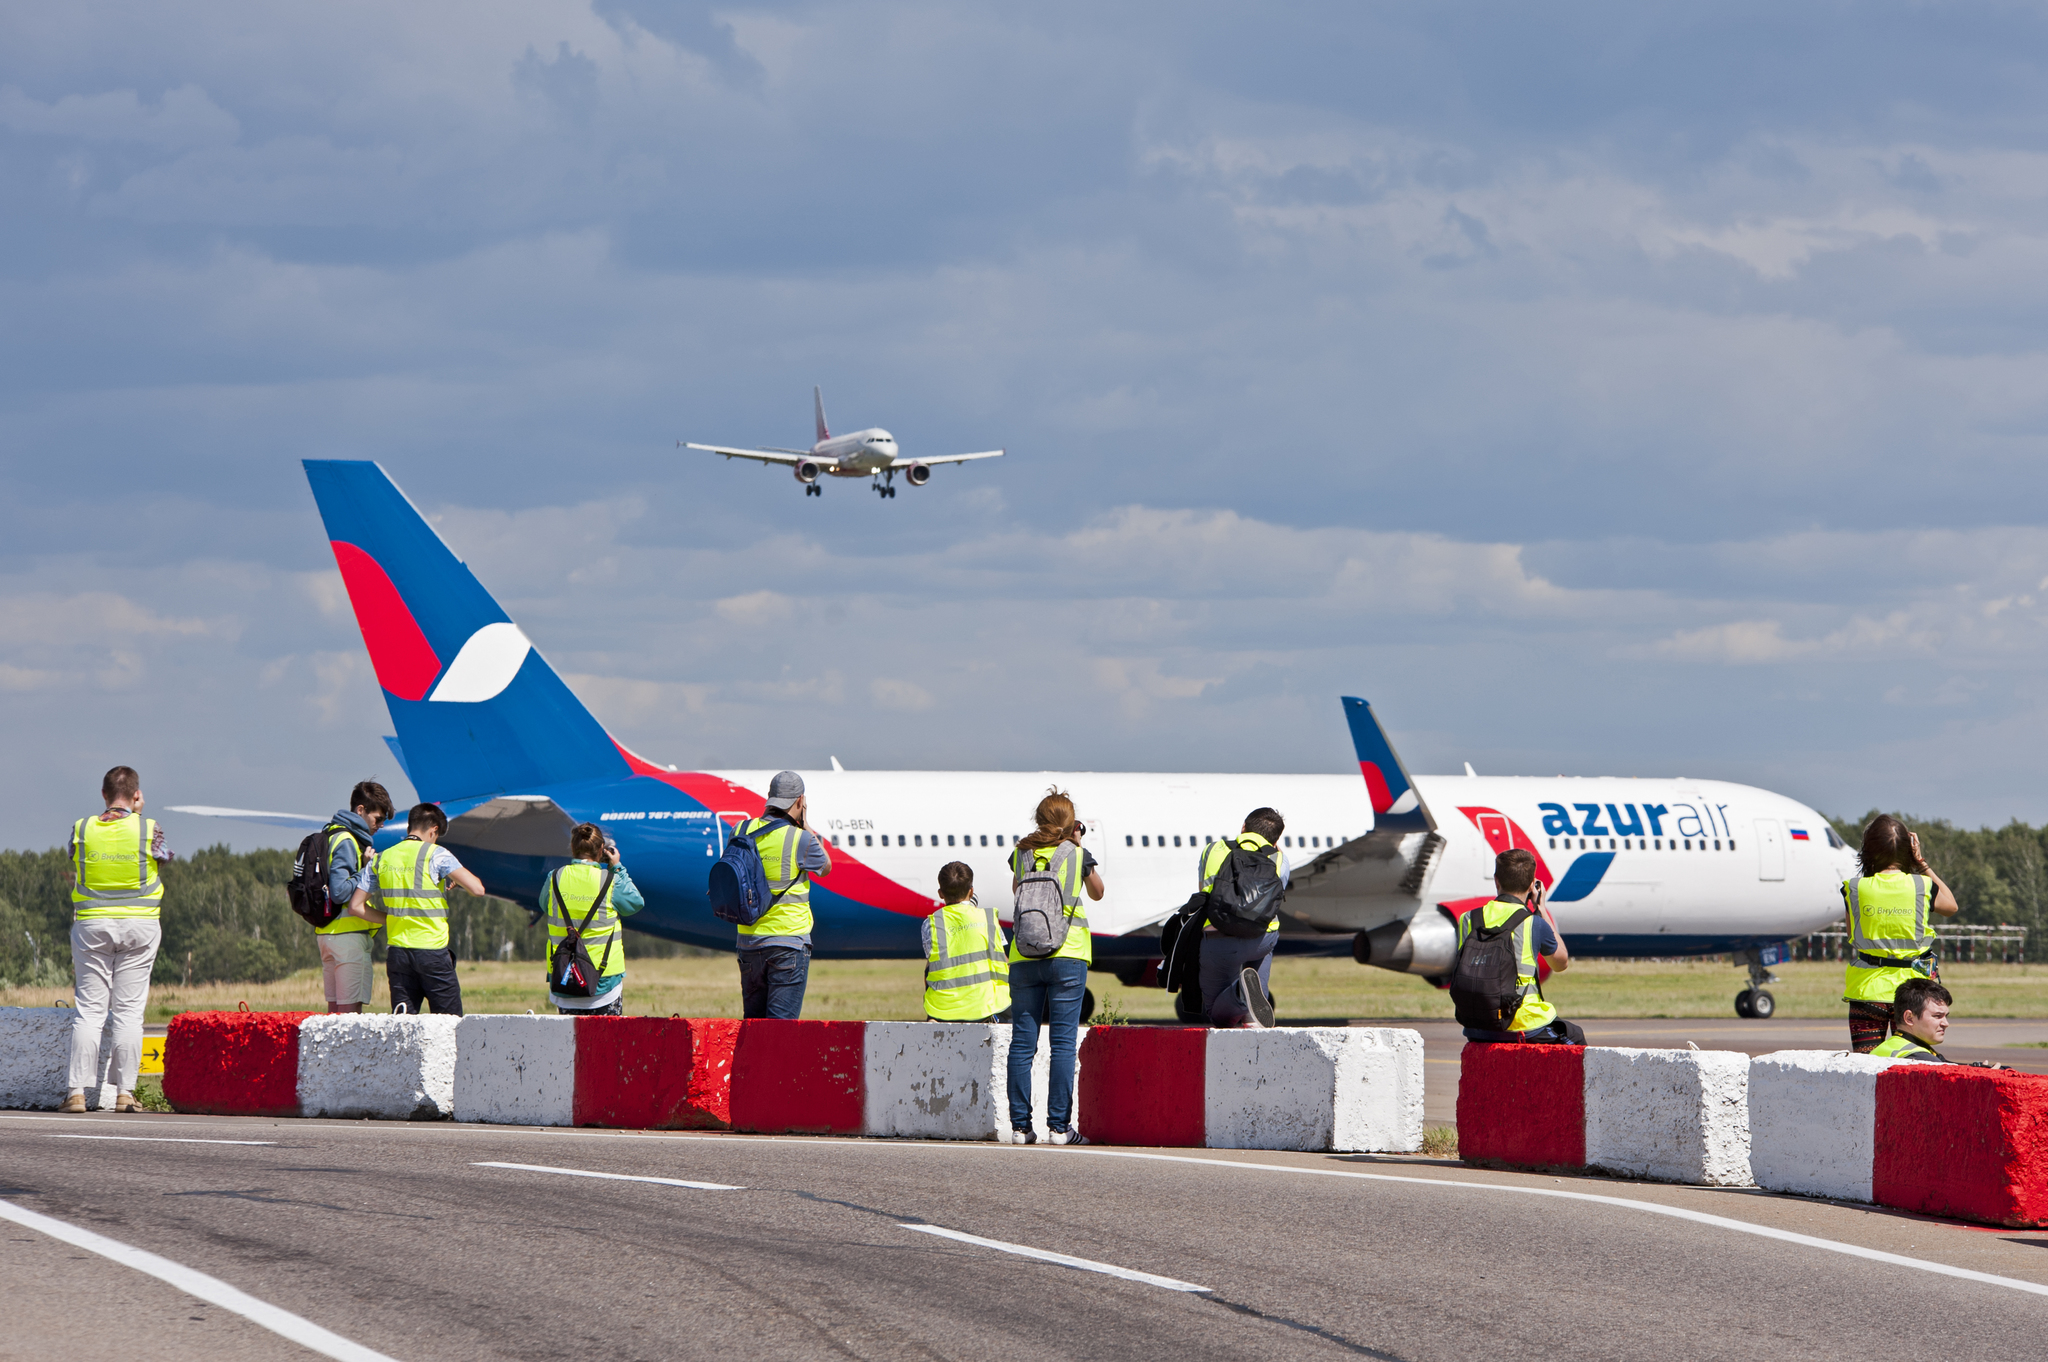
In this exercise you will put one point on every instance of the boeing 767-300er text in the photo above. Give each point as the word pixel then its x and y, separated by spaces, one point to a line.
pixel 1381 862
pixel 863 454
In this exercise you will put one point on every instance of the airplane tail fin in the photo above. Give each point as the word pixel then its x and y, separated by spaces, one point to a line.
pixel 818 401
pixel 477 709
pixel 1396 803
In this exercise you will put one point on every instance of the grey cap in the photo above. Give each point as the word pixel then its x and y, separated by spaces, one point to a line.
pixel 786 789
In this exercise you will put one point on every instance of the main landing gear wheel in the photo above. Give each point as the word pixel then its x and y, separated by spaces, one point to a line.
pixel 1742 1001
pixel 1762 1005
pixel 1087 1005
pixel 813 490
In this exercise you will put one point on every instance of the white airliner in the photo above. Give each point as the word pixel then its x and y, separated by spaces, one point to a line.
pixel 864 454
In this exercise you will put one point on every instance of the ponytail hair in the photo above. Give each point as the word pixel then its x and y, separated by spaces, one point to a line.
pixel 1887 845
pixel 1055 818
pixel 586 842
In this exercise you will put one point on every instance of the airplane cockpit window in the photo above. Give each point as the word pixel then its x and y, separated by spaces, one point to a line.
pixel 1835 841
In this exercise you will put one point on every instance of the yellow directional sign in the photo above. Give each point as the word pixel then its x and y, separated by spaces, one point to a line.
pixel 152 1054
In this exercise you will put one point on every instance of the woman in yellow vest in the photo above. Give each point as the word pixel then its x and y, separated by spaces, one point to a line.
pixel 1891 936
pixel 1049 991
pixel 966 973
pixel 567 896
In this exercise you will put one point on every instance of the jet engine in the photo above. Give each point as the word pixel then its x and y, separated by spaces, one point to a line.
pixel 917 475
pixel 1425 944
pixel 807 471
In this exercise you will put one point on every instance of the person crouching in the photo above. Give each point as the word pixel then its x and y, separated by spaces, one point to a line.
pixel 966 967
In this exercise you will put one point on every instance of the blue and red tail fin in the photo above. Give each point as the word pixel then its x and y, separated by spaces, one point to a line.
pixel 1396 803
pixel 478 711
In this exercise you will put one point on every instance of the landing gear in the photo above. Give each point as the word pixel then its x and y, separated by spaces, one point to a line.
pixel 1754 1002
pixel 1087 1005
pixel 885 485
pixel 812 489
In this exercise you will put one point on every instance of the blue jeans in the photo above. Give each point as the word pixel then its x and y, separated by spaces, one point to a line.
pixel 772 980
pixel 1044 992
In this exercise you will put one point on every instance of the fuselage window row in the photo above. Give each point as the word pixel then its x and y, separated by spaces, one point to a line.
pixel 1644 843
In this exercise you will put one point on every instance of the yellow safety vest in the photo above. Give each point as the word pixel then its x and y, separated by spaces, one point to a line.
pixel 112 873
pixel 1888 922
pixel 1214 854
pixel 966 975
pixel 347 922
pixel 1899 1045
pixel 1534 1013
pixel 567 898
pixel 415 908
pixel 789 886
pixel 1078 945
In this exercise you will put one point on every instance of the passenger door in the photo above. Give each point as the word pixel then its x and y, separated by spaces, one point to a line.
pixel 1770 849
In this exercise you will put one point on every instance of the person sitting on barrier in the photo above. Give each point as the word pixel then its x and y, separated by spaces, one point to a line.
pixel 404 889
pixel 589 896
pixel 1891 938
pixel 1919 1024
pixel 1236 973
pixel 966 969
pixel 1533 1020
pixel 1048 989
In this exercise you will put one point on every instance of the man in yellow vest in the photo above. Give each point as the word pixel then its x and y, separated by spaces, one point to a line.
pixel 404 889
pixel 966 972
pixel 1891 935
pixel 1236 973
pixel 1919 1023
pixel 345 961
pixel 775 950
pixel 1516 887
pixel 116 893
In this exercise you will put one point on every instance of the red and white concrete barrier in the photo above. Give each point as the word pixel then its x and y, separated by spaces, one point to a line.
pixel 233 1063
pixel 35 1057
pixel 1669 1115
pixel 516 1070
pixel 800 1077
pixel 370 1065
pixel 654 1073
pixel 1813 1122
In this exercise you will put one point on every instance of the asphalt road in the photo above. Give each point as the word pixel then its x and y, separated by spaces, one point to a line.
pixel 399 1238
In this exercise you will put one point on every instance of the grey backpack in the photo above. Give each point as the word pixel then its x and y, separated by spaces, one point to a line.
pixel 1040 926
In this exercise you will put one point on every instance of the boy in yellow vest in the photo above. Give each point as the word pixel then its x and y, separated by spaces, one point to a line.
pixel 115 896
pixel 966 965
pixel 404 890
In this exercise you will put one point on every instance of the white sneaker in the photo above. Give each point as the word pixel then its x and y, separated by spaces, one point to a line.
pixel 1068 1137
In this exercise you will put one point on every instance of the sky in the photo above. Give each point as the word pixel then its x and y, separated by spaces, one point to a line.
pixel 1597 388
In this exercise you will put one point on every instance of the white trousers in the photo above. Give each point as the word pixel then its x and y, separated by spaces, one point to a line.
pixel 110 963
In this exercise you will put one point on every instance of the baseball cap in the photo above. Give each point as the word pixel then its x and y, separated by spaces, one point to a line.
pixel 786 789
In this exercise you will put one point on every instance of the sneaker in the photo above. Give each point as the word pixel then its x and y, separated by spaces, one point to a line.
pixel 1025 1136
pixel 126 1102
pixel 1069 1137
pixel 1255 996
pixel 75 1103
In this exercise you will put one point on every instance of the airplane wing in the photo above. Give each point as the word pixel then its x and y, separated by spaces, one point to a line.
pixel 276 820
pixel 781 456
pixel 946 458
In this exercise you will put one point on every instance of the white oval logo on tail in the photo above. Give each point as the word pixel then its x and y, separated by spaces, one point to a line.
pixel 485 666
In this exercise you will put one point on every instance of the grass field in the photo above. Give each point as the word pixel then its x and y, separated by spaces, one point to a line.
pixel 708 986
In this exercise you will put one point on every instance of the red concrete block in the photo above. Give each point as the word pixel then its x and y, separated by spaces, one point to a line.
pixel 1969 1143
pixel 654 1073
pixel 807 1077
pixel 1143 1085
pixel 1523 1105
pixel 233 1063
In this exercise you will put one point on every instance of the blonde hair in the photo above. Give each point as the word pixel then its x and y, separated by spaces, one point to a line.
pixel 1055 818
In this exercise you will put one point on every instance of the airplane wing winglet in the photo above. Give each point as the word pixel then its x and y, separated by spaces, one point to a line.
pixel 962 458
pixel 1396 804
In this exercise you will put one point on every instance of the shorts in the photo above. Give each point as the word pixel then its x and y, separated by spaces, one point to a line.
pixel 345 967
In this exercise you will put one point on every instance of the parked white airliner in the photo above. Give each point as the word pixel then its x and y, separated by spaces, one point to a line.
pixel 864 454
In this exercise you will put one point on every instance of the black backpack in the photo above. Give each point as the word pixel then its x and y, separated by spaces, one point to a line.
pixel 1486 985
pixel 1246 894
pixel 307 888
pixel 1180 946
pixel 570 972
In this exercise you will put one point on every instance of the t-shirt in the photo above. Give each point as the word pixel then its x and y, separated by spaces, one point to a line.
pixel 440 866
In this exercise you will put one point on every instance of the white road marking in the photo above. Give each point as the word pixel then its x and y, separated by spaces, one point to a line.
pixel 194 1283
pixel 1063 1259
pixel 155 1139
pixel 613 1177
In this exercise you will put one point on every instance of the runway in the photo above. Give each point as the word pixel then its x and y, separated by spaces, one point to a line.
pixel 415 1242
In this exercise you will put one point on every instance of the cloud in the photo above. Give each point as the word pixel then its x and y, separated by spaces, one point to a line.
pixel 905 696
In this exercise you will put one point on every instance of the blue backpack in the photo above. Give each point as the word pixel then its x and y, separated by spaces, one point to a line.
pixel 739 882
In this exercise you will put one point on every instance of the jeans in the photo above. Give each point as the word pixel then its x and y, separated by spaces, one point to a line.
pixel 418 976
pixel 111 958
pixel 1223 959
pixel 1044 992
pixel 772 981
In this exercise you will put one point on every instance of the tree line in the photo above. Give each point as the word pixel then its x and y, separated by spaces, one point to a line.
pixel 226 919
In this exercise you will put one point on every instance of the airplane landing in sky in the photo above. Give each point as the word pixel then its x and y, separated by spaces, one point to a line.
pixel 868 453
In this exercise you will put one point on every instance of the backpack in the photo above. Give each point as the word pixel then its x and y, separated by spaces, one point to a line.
pixel 1180 945
pixel 1486 984
pixel 570 972
pixel 1039 926
pixel 1246 893
pixel 307 888
pixel 739 882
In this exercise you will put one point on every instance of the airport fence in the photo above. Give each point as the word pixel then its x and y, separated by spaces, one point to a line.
pixel 1969 942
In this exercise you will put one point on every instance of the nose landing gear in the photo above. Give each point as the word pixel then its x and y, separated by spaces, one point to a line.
pixel 1754 1002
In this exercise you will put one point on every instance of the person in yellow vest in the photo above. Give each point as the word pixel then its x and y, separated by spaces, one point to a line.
pixel 1236 973
pixel 404 889
pixel 1515 887
pixel 1049 992
pixel 966 973
pixel 569 895
pixel 1920 1024
pixel 775 951
pixel 1891 936
pixel 345 960
pixel 116 894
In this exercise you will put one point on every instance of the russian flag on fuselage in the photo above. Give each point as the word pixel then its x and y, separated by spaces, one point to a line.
pixel 1799 835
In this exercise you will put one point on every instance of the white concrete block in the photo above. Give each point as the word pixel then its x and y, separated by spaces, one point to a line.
pixel 1316 1088
pixel 936 1080
pixel 1672 1115
pixel 389 1068
pixel 35 1058
pixel 1813 1122
pixel 516 1070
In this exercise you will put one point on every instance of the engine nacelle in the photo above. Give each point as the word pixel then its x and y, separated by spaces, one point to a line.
pixel 1425 944
pixel 917 475
pixel 807 471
